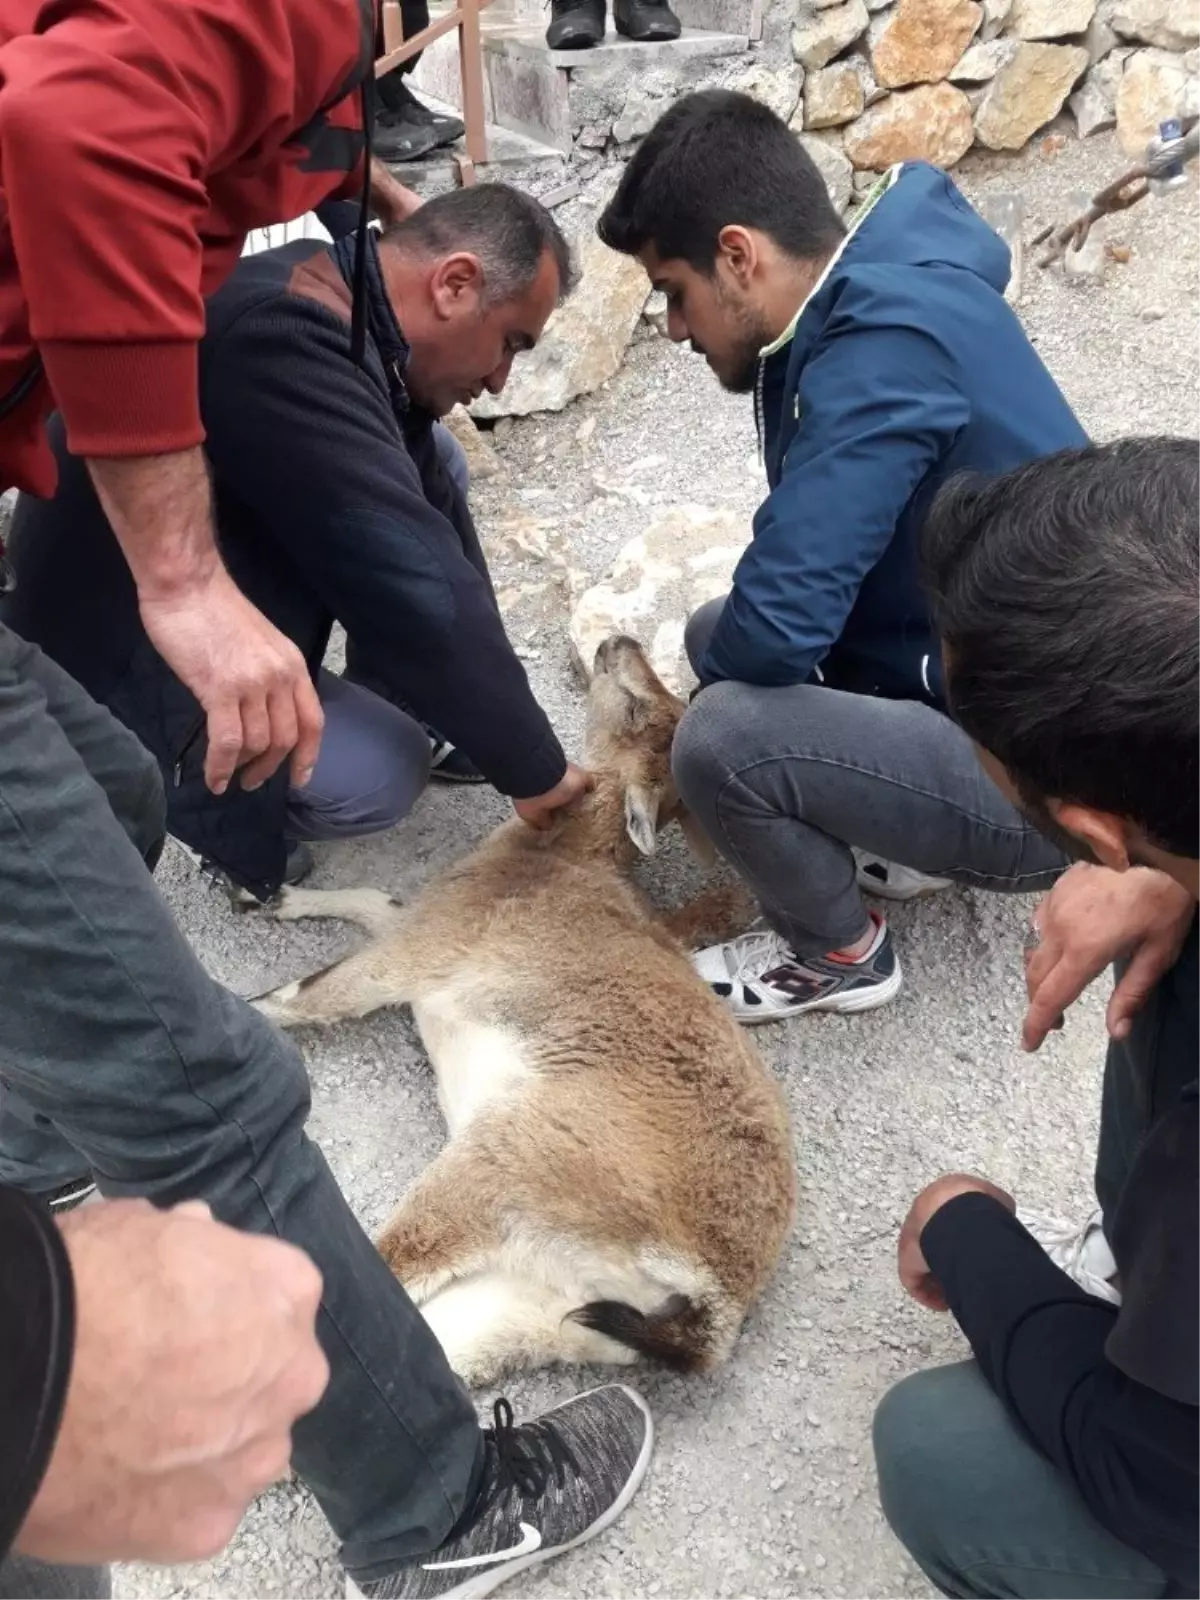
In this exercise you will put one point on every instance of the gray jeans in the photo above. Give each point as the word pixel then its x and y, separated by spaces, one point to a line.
pixel 978 1508
pixel 22 1578
pixel 785 780
pixel 125 1059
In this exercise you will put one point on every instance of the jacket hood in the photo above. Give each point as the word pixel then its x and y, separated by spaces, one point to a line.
pixel 923 220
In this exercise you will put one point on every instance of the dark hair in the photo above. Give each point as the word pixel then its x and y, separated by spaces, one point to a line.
pixel 509 231
pixel 716 159
pixel 1065 594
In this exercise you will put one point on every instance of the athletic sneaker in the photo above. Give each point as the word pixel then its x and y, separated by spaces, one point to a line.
pixel 762 979
pixel 546 1487
pixel 69 1195
pixel 1081 1252
pixel 888 880
pixel 448 764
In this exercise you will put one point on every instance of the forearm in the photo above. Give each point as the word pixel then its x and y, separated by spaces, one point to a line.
pixel 160 508
pixel 390 200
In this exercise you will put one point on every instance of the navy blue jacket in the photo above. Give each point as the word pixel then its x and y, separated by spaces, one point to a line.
pixel 905 367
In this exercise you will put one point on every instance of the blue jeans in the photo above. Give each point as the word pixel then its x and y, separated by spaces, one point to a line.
pixel 120 1056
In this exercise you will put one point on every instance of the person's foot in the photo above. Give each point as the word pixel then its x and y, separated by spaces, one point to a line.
pixel 575 24
pixel 647 21
pixel 406 111
pixel 1082 1252
pixel 397 142
pixel 888 880
pixel 300 862
pixel 448 764
pixel 546 1487
pixel 68 1195
pixel 762 979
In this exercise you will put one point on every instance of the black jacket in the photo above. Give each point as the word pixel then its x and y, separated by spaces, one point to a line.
pixel 332 503
pixel 37 1338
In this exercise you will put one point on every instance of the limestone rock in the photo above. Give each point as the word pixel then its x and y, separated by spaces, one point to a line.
pixel 1154 86
pixel 929 123
pixel 833 96
pixel 482 460
pixel 585 340
pixel 657 580
pixel 778 89
pixel 982 62
pixel 820 36
pixel 995 17
pixel 1028 91
pixel 833 165
pixel 1050 19
pixel 656 313
pixel 873 91
pixel 923 39
pixel 638 115
pixel 1169 24
pixel 1094 103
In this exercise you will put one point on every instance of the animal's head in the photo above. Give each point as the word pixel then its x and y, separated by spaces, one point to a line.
pixel 632 717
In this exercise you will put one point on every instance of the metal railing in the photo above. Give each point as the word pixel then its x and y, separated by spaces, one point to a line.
pixel 462 15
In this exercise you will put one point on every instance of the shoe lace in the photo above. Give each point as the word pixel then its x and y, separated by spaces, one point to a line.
pixel 530 1456
pixel 757 953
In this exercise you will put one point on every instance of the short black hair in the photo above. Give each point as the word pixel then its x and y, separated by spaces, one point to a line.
pixel 1066 596
pixel 509 231
pixel 714 160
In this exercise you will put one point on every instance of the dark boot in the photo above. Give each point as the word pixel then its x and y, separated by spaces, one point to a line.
pixel 400 109
pixel 575 24
pixel 647 21
pixel 394 142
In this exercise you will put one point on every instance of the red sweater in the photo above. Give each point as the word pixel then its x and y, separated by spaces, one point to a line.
pixel 140 141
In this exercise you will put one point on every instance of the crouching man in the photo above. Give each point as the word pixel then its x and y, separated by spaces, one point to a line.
pixel 1062 1460
pixel 883 360
pixel 339 498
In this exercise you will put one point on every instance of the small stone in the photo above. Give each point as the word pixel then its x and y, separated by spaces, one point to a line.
pixel 780 90
pixel 982 61
pixel 833 96
pixel 820 36
pixel 1094 103
pixel 482 460
pixel 1050 19
pixel 1154 86
pixel 1099 39
pixel 1153 313
pixel 1028 92
pixel 873 91
pixel 995 16
pixel 819 1560
pixel 929 123
pixel 638 115
pixel 833 165
pixel 1169 24
pixel 923 39
pixel 594 136
pixel 655 314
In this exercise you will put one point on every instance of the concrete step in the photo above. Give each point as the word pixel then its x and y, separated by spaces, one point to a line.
pixel 547 95
pixel 511 156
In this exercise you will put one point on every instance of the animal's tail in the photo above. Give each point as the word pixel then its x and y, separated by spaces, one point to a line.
pixel 679 1334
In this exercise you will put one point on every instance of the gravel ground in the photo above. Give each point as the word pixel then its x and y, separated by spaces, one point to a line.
pixel 762 1483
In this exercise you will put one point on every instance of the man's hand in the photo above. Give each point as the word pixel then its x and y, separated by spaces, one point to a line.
pixel 390 200
pixel 911 1264
pixel 195 1352
pixel 1091 918
pixel 540 811
pixel 252 682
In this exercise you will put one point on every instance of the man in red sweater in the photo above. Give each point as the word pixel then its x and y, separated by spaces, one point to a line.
pixel 141 1406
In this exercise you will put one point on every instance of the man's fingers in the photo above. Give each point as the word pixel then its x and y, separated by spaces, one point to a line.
pixel 224 744
pixel 1145 968
pixel 310 723
pixel 1060 988
pixel 281 712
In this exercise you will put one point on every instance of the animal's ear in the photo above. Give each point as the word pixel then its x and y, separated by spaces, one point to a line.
pixel 698 841
pixel 641 818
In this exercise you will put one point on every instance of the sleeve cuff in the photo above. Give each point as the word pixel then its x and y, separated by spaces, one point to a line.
pixel 126 399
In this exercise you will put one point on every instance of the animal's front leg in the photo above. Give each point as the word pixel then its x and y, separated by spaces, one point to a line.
pixel 371 909
pixel 361 983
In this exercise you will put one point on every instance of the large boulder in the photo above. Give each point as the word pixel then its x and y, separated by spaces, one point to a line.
pixel 833 96
pixel 1051 19
pixel 1155 85
pixel 832 163
pixel 923 39
pixel 819 36
pixel 1029 91
pixel 1169 24
pixel 658 579
pixel 1094 103
pixel 585 340
pixel 929 123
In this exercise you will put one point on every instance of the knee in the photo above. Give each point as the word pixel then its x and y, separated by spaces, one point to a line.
pixel 700 752
pixel 915 1460
pixel 699 630
pixel 371 794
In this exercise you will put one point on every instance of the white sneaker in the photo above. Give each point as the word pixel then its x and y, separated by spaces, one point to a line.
pixel 762 979
pixel 888 880
pixel 1082 1253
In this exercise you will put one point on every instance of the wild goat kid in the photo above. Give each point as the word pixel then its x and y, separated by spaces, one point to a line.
pixel 619 1178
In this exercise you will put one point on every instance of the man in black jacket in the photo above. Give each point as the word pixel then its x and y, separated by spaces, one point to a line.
pixel 1062 1461
pixel 338 498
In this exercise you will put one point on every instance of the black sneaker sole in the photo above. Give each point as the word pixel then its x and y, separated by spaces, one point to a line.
pixel 490 1579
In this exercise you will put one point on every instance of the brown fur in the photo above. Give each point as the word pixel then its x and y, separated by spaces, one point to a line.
pixel 633 1150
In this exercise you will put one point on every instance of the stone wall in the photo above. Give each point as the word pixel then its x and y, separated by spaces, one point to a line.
pixel 885 82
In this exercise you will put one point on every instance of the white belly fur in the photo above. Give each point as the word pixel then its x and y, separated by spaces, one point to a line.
pixel 476 1063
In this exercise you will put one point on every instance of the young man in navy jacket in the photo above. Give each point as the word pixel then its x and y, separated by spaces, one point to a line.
pixel 883 360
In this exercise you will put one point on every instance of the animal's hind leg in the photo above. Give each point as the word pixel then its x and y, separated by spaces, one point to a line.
pixel 353 987
pixel 498 1323
pixel 371 909
pixel 445 1227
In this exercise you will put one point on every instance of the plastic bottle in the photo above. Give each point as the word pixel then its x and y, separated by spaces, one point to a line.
pixel 1168 132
